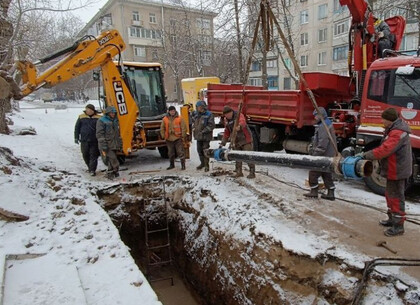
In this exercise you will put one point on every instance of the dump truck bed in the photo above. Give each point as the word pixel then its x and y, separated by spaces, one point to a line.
pixel 288 107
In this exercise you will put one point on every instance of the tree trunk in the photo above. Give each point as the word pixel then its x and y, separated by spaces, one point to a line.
pixel 238 42
pixel 3 125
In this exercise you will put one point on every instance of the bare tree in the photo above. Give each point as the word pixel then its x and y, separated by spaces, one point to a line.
pixel 22 30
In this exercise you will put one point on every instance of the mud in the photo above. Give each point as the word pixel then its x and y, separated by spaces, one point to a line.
pixel 224 270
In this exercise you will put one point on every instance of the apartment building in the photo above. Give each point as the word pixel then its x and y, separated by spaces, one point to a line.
pixel 320 39
pixel 165 31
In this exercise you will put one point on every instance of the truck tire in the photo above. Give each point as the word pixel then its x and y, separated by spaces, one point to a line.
pixel 255 139
pixel 163 151
pixel 376 182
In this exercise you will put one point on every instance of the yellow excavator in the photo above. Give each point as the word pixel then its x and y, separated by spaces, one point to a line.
pixel 135 89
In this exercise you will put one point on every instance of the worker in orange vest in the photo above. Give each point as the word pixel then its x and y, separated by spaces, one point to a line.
pixel 174 130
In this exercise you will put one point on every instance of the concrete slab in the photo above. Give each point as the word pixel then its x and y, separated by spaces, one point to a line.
pixel 40 280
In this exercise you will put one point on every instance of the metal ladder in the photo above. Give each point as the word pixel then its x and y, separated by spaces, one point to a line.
pixel 158 243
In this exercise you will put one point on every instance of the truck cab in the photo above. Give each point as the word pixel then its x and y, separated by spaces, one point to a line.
pixel 390 82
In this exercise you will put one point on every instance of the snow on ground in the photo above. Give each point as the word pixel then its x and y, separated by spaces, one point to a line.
pixel 78 237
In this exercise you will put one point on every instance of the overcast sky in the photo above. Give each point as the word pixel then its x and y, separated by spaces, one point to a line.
pixel 88 12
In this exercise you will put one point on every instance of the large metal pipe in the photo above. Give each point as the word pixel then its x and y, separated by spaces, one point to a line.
pixel 349 167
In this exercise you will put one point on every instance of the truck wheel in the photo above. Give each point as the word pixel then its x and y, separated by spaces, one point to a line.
pixel 255 139
pixel 163 151
pixel 376 182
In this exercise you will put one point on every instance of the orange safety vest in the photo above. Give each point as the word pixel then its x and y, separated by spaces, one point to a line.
pixel 176 124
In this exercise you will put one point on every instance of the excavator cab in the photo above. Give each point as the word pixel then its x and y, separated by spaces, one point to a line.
pixel 145 81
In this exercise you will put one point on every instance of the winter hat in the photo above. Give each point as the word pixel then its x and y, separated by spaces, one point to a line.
pixel 91 107
pixel 322 112
pixel 110 109
pixel 227 109
pixel 390 114
pixel 171 108
pixel 200 103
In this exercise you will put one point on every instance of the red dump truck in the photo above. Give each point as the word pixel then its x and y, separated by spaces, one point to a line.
pixel 283 119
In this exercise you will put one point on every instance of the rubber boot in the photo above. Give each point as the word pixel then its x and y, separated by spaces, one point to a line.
pixel 172 164
pixel 238 170
pixel 202 164
pixel 206 164
pixel 329 195
pixel 397 226
pixel 387 222
pixel 183 164
pixel 251 172
pixel 313 193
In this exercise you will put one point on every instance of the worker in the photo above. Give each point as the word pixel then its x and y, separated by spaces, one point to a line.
pixel 85 133
pixel 243 140
pixel 384 35
pixel 203 132
pixel 174 130
pixel 322 146
pixel 109 140
pixel 395 157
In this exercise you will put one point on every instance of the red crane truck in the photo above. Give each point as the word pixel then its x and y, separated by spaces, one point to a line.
pixel 283 119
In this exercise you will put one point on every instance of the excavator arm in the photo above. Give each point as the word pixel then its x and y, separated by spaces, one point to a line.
pixel 83 56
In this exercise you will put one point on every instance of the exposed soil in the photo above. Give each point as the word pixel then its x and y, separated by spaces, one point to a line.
pixel 224 269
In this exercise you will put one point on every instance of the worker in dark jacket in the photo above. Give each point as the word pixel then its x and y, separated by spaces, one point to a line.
pixel 384 36
pixel 395 157
pixel 203 132
pixel 109 140
pixel 85 133
pixel 174 130
pixel 322 146
pixel 243 140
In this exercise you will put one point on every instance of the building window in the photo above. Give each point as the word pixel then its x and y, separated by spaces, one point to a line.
pixel 155 54
pixel 322 58
pixel 144 33
pixel 206 39
pixel 322 35
pixel 272 63
pixel 340 53
pixel 304 17
pixel 256 66
pixel 304 39
pixel 322 11
pixel 136 16
pixel 287 83
pixel 203 23
pixel 288 63
pixel 287 2
pixel 338 8
pixel 152 18
pixel 205 58
pixel 139 51
pixel 273 82
pixel 304 60
pixel 172 22
pixel 255 81
pixel 341 28
pixel 409 42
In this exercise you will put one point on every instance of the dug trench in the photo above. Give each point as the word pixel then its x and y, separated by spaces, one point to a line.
pixel 218 252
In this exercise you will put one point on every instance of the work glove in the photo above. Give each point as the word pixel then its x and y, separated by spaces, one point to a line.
pixel 76 141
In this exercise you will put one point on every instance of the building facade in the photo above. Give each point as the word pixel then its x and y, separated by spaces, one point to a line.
pixel 319 30
pixel 178 37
